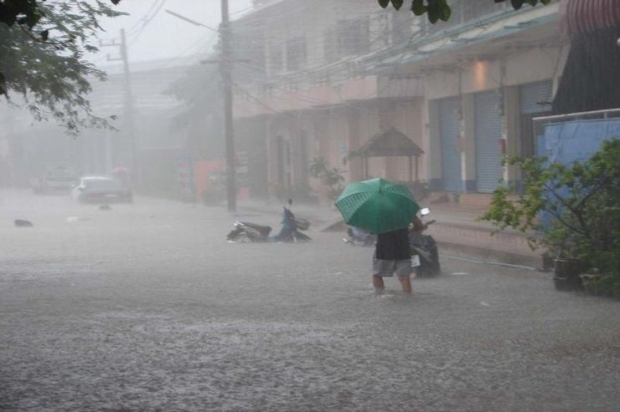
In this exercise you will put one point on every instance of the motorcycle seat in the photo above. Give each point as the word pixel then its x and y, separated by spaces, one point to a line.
pixel 260 228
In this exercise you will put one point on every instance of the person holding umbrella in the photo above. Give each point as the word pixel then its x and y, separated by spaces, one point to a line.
pixel 387 209
pixel 393 256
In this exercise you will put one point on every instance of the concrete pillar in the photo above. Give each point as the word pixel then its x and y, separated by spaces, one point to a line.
pixel 354 142
pixel 512 130
pixel 468 142
pixel 432 146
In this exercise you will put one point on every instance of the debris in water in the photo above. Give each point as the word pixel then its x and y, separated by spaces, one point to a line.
pixel 105 207
pixel 23 223
pixel 72 219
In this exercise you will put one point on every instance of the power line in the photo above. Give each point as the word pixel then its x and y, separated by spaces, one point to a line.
pixel 144 18
pixel 146 22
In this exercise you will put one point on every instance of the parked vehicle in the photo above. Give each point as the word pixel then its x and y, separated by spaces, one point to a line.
pixel 57 178
pixel 424 252
pixel 359 237
pixel 292 226
pixel 99 189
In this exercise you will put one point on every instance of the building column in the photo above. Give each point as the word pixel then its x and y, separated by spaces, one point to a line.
pixel 354 165
pixel 432 143
pixel 467 142
pixel 512 131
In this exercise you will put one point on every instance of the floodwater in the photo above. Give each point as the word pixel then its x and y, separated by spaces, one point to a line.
pixel 146 307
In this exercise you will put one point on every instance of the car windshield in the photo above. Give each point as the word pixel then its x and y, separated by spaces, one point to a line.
pixel 102 184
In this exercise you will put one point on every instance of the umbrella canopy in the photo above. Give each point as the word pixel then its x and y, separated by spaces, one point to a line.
pixel 377 205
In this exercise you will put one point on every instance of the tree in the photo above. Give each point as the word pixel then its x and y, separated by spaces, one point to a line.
pixel 440 9
pixel 331 177
pixel 42 48
pixel 580 206
pixel 200 114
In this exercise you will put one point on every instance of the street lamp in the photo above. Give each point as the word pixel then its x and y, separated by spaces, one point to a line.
pixel 225 68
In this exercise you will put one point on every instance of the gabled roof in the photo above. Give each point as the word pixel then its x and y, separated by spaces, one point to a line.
pixel 389 143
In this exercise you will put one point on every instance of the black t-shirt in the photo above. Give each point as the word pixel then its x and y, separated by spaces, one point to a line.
pixel 393 245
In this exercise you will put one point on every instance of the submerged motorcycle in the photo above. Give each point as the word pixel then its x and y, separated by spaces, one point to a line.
pixel 424 252
pixel 246 232
pixel 359 237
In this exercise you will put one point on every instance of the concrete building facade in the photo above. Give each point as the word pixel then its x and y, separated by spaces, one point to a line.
pixel 465 91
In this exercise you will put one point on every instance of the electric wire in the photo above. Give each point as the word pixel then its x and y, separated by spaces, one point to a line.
pixel 145 23
pixel 145 17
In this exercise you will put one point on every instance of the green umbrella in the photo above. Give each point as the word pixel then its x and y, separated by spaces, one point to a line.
pixel 377 205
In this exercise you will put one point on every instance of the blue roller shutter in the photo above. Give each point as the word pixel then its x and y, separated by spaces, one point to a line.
pixel 488 125
pixel 449 127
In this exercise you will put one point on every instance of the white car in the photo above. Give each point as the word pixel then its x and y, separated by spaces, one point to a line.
pixel 99 189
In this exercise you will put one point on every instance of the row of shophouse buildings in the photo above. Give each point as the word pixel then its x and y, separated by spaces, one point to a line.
pixel 326 77
pixel 321 79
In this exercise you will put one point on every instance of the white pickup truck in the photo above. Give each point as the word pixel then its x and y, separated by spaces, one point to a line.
pixel 57 178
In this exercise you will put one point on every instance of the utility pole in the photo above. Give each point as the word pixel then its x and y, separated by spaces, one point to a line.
pixel 128 100
pixel 129 112
pixel 225 68
pixel 224 61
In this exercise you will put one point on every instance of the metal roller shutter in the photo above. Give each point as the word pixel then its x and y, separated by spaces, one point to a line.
pixel 532 95
pixel 534 101
pixel 449 131
pixel 488 124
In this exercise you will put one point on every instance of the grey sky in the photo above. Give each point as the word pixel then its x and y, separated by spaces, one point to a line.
pixel 153 34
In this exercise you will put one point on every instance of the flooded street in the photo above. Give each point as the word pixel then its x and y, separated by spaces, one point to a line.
pixel 146 307
pixel 204 122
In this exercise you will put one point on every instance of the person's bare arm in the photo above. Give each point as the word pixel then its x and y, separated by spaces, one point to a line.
pixel 418 226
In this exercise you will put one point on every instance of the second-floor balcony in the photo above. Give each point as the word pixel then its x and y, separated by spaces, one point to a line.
pixel 354 40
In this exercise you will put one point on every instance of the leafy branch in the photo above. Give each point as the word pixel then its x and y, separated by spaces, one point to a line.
pixel 440 9
pixel 330 176
pixel 582 199
pixel 42 51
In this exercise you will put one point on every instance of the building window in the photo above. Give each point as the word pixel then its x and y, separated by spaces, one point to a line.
pixel 275 59
pixel 402 27
pixel 295 54
pixel 353 37
pixel 330 50
pixel 477 9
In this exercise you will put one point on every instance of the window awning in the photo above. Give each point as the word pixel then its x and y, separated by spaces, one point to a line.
pixel 590 75
pixel 588 15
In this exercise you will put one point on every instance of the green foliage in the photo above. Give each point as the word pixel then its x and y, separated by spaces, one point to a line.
pixel 42 47
pixel 604 285
pixel 330 176
pixel 440 9
pixel 201 112
pixel 583 200
pixel 22 12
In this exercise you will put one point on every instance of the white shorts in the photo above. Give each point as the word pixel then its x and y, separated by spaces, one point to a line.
pixel 387 268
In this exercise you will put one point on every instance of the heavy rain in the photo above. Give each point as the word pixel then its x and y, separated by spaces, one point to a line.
pixel 326 205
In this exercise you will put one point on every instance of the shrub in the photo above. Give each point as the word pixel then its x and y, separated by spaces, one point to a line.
pixel 574 209
pixel 331 177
